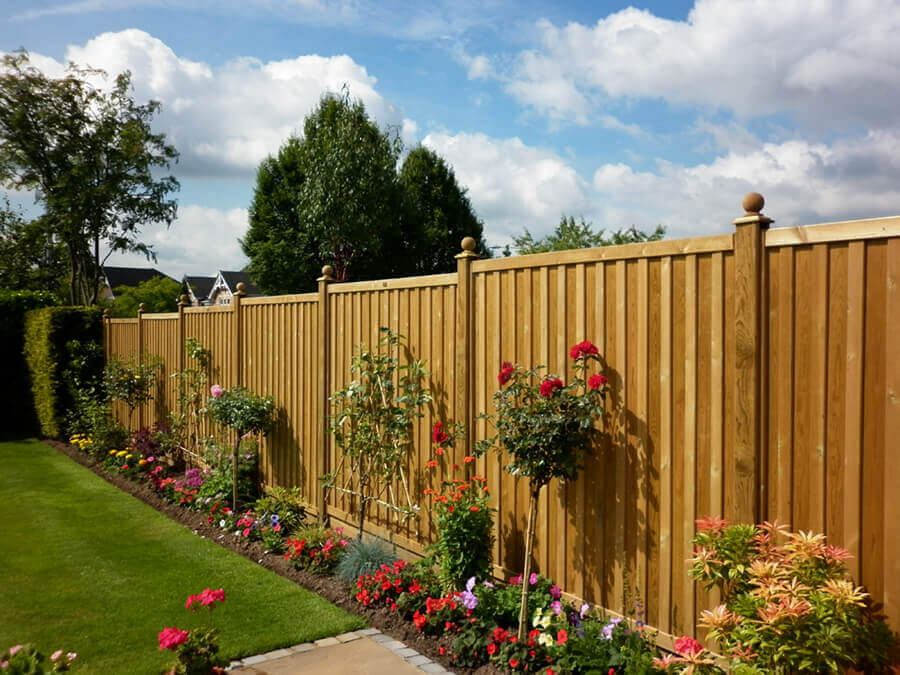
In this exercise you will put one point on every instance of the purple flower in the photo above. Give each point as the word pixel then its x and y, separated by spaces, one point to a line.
pixel 585 608
pixel 488 584
pixel 533 579
pixel 274 518
pixel 468 599
pixel 556 606
pixel 470 584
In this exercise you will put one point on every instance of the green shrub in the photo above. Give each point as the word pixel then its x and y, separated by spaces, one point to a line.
pixel 48 334
pixel 16 410
pixel 363 557
pixel 287 504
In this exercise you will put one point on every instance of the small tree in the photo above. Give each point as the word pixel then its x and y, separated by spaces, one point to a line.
pixel 244 412
pixel 546 427
pixel 131 383
pixel 371 422
pixel 570 234
pixel 192 383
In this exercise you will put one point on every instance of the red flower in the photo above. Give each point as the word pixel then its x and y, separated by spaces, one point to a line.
pixel 420 620
pixel 506 373
pixel 431 463
pixel 491 649
pixel 468 459
pixel 514 663
pixel 583 349
pixel 550 385
pixel 562 637
pixel 499 634
pixel 597 381
pixel 439 451
pixel 687 646
pixel 474 508
pixel 170 638
pixel 438 435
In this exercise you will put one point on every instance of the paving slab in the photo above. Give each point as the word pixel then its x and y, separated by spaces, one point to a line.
pixel 359 657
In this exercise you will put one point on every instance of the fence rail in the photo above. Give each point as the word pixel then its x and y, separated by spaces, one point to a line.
pixel 754 375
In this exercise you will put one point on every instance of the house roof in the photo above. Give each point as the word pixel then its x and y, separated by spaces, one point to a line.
pixel 130 276
pixel 233 278
pixel 199 286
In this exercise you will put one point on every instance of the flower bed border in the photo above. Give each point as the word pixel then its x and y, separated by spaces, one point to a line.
pixel 328 587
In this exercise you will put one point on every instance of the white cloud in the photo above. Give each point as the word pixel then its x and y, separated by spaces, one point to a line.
pixel 512 185
pixel 802 182
pixel 830 61
pixel 201 241
pixel 226 119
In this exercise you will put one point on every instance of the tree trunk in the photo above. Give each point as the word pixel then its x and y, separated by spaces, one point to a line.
pixel 526 572
pixel 363 503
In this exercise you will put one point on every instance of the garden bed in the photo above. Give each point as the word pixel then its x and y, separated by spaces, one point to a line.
pixel 329 587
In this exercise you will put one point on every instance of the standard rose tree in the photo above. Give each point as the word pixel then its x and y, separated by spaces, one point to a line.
pixel 546 427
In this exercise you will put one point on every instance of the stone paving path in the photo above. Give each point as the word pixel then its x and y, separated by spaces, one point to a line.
pixel 362 652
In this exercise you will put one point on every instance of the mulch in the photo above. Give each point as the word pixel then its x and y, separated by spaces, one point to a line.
pixel 329 587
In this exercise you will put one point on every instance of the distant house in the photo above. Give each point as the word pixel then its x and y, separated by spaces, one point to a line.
pixel 197 289
pixel 225 285
pixel 114 277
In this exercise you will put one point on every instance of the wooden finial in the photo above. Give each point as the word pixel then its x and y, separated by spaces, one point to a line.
pixel 106 313
pixel 327 274
pixel 753 203
pixel 184 300
pixel 468 248
pixel 141 308
pixel 240 290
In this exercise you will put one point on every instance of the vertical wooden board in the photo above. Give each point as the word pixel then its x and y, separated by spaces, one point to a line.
pixel 836 391
pixel 872 544
pixel 642 410
pixel 594 485
pixel 681 616
pixel 621 433
pixel 632 422
pixel 664 613
pixel 703 501
pixel 559 364
pixel 652 444
pixel 689 512
pixel 611 595
pixel 891 403
pixel 784 388
pixel 576 490
pixel 809 450
pixel 855 281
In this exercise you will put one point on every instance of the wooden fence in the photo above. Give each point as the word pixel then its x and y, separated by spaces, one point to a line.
pixel 754 375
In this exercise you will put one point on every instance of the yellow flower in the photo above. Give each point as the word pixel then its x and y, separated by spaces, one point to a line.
pixel 112 452
pixel 128 456
pixel 121 453
pixel 142 462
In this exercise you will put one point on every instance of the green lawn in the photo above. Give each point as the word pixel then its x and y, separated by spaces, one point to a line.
pixel 88 568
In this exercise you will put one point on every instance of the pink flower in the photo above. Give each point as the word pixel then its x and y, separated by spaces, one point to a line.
pixel 550 385
pixel 170 638
pixel 506 373
pixel 533 579
pixel 210 597
pixel 438 435
pixel 55 655
pixel 216 391
pixel 14 650
pixel 555 592
pixel 71 656
pixel 583 349
pixel 597 381
pixel 516 580
pixel 687 646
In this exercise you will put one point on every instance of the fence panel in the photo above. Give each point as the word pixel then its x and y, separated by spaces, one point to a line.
pixel 834 375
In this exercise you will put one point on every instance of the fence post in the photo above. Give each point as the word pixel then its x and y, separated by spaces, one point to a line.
pixel 324 357
pixel 743 502
pixel 140 359
pixel 183 301
pixel 238 347
pixel 465 310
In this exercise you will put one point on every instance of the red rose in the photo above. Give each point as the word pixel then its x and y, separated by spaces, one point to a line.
pixel 506 373
pixel 687 646
pixel 491 649
pixel 597 381
pixel 514 663
pixel 550 385
pixel 583 349
pixel 438 435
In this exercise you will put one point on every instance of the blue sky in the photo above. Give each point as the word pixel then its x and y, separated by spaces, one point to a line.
pixel 665 114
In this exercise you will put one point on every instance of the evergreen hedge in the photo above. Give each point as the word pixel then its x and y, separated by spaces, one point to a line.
pixel 48 332
pixel 16 410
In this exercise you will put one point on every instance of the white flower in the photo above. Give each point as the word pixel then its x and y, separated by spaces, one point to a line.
pixel 545 640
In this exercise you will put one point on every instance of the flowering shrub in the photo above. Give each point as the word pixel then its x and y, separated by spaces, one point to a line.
pixel 84 442
pixel 26 660
pixel 546 427
pixel 197 651
pixel 464 521
pixel 788 604
pixel 319 553
pixel 131 383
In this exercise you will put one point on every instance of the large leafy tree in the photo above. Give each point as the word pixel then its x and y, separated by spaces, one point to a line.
pixel 159 294
pixel 438 212
pixel 329 197
pixel 571 234
pixel 91 158
pixel 30 258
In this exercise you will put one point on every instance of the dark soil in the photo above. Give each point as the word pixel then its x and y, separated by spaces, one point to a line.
pixel 328 587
